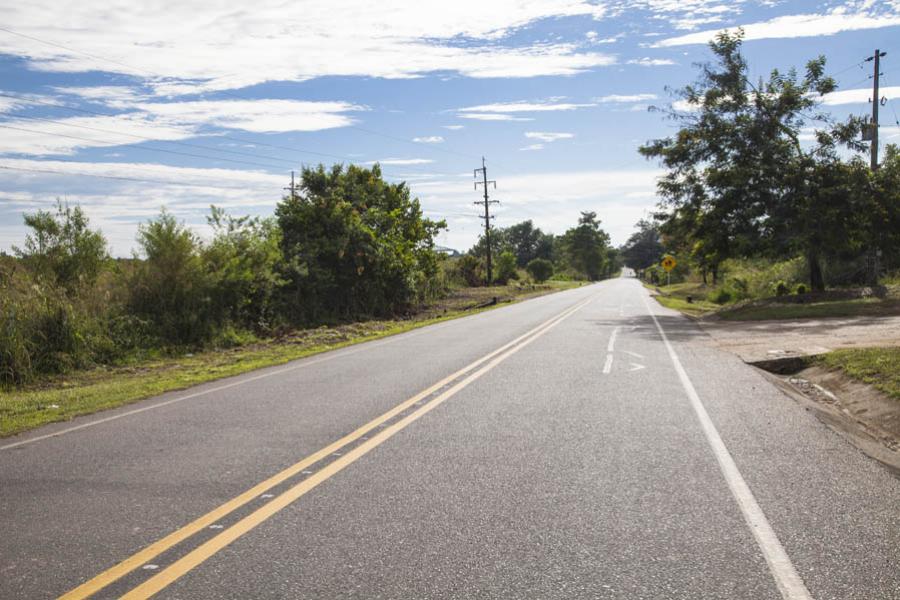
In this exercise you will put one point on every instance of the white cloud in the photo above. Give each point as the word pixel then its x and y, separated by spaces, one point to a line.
pixel 794 26
pixel 859 96
pixel 256 115
pixel 43 137
pixel 186 47
pixel 515 107
pixel 626 98
pixel 453 127
pixel 532 147
pixel 646 61
pixel 430 139
pixel 492 117
pixel 547 136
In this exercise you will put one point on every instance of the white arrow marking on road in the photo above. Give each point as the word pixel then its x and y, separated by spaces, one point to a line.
pixel 635 367
pixel 634 354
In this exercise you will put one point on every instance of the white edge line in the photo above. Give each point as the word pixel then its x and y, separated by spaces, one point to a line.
pixel 291 367
pixel 789 582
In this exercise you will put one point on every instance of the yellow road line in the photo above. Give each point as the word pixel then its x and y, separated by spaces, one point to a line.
pixel 143 556
pixel 200 554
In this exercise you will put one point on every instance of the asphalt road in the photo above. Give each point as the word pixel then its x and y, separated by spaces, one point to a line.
pixel 579 445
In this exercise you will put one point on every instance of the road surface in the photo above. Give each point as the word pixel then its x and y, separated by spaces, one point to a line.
pixel 578 445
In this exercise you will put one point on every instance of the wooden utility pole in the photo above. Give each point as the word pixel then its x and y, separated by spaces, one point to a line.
pixel 487 214
pixel 876 102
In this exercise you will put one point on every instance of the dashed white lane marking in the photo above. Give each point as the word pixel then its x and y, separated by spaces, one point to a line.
pixel 786 577
pixel 150 567
pixel 607 366
pixel 612 339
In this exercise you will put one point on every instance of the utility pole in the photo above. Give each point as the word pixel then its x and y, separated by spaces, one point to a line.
pixel 293 188
pixel 876 101
pixel 487 214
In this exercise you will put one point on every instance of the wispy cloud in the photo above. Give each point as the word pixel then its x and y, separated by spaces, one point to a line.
pixel 548 136
pixel 429 139
pixel 859 96
pixel 492 117
pixel 516 107
pixel 531 147
pixel 186 48
pixel 646 61
pixel 795 26
pixel 453 127
pixel 625 98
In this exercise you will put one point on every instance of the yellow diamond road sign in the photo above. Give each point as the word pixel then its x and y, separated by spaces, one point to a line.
pixel 668 263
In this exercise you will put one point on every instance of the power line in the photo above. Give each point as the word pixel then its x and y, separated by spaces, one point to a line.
pixel 119 178
pixel 116 144
pixel 150 139
pixel 227 137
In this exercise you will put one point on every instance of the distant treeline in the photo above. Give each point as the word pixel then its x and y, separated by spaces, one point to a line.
pixel 582 252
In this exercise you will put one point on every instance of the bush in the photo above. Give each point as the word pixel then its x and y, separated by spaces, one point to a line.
pixel 506 268
pixel 540 269
pixel 469 270
pixel 781 288
pixel 801 289
pixel 720 296
pixel 170 287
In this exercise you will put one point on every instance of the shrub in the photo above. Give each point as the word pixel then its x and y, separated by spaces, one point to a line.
pixel 720 296
pixel 540 269
pixel 781 288
pixel 801 289
pixel 506 268
pixel 170 287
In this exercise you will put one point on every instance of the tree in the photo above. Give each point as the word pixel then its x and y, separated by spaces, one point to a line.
pixel 540 269
pixel 585 246
pixel 739 181
pixel 63 248
pixel 506 268
pixel 355 245
pixel 523 239
pixel 244 258
pixel 643 248
pixel 171 287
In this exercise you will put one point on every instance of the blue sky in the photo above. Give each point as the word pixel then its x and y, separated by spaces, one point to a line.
pixel 127 107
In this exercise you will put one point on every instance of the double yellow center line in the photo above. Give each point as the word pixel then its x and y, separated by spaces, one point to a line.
pixel 195 557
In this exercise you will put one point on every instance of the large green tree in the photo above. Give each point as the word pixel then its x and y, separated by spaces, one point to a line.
pixel 355 245
pixel 739 179
pixel 585 246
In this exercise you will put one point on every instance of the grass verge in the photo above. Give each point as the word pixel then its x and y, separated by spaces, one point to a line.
pixel 84 392
pixel 675 296
pixel 879 367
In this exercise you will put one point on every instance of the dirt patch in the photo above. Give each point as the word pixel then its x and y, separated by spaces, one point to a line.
pixel 756 341
pixel 866 417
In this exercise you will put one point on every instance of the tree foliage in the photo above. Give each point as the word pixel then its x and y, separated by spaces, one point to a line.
pixel 354 245
pixel 63 248
pixel 740 180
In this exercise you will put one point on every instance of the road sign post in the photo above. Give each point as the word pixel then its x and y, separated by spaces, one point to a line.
pixel 668 263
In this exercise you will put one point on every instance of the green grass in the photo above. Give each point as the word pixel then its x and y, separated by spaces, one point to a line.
pixel 84 392
pixel 861 307
pixel 675 297
pixel 879 367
